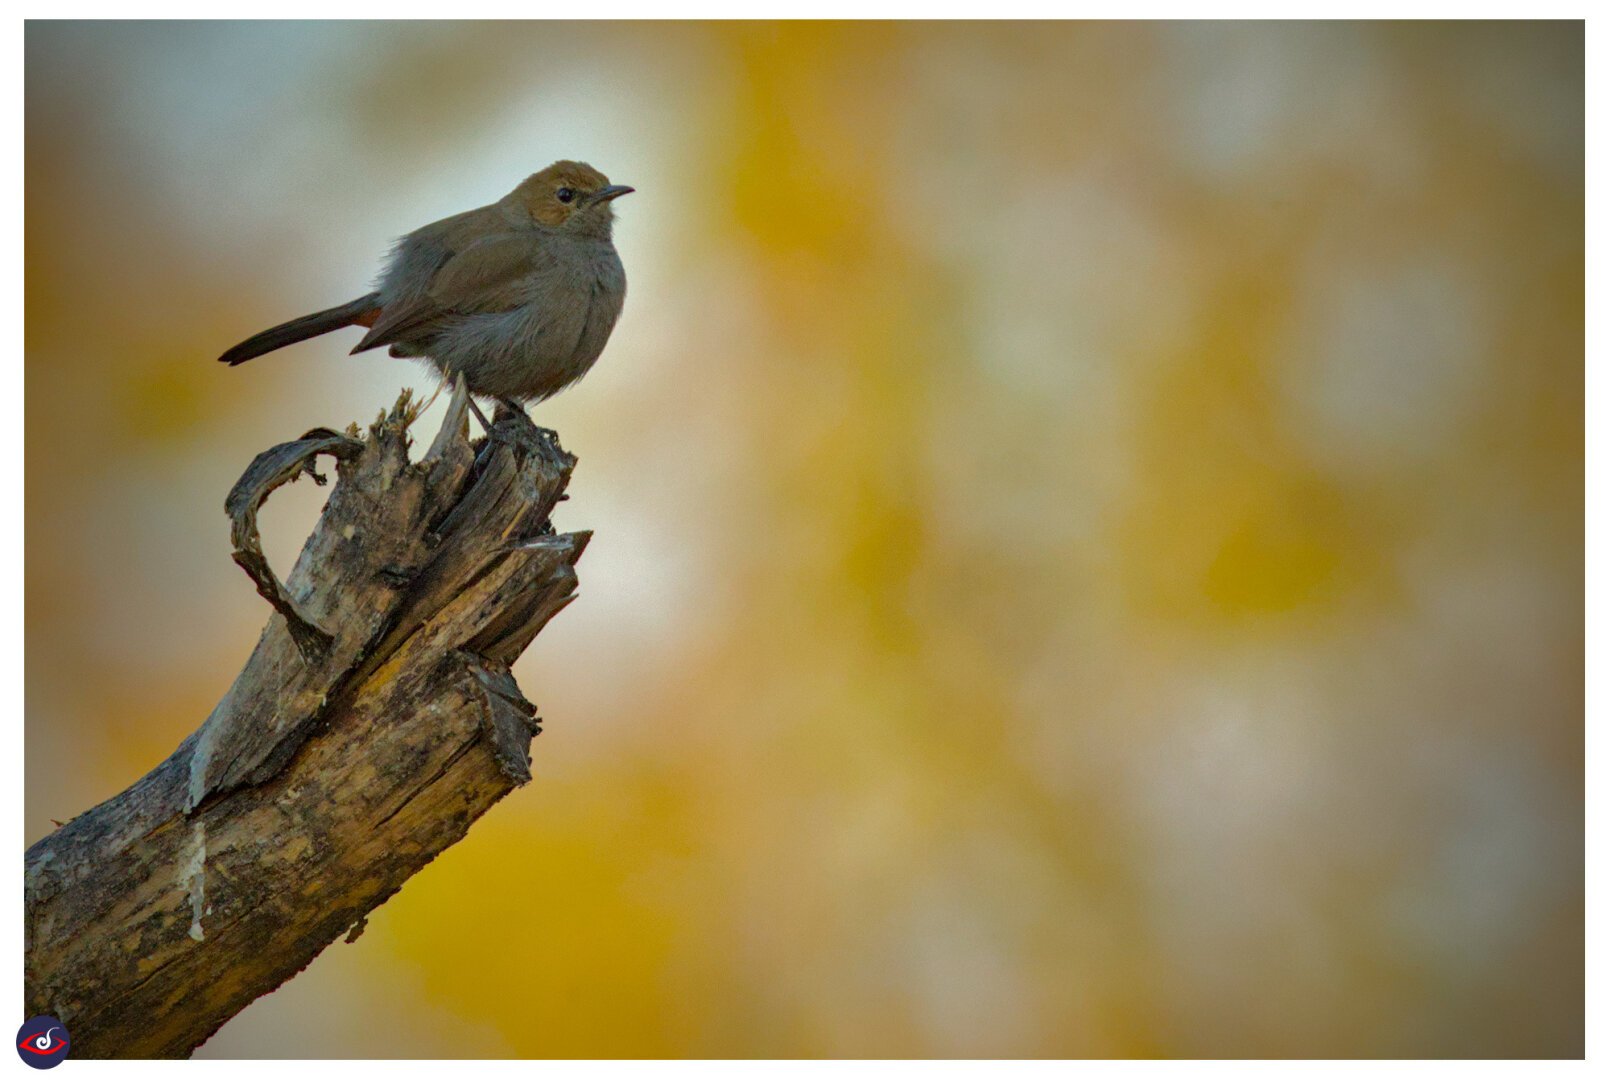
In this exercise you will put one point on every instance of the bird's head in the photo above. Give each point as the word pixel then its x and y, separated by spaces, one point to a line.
pixel 570 195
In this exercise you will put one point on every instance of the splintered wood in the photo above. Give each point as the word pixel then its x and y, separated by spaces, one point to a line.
pixel 374 722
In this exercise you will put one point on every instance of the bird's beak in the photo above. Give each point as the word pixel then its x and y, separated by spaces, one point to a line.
pixel 613 191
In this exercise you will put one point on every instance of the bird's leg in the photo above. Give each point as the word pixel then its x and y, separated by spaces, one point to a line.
pixel 486 444
pixel 513 406
pixel 481 416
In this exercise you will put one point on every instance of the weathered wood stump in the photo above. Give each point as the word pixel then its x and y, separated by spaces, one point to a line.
pixel 374 722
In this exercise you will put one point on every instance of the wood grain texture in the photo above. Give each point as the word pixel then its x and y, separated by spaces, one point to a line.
pixel 374 722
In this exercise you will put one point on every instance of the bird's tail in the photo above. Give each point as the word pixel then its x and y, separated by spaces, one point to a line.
pixel 360 312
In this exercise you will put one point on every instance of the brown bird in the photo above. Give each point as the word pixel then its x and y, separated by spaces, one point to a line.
pixel 519 296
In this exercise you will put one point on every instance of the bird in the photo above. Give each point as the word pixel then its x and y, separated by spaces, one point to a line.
pixel 518 297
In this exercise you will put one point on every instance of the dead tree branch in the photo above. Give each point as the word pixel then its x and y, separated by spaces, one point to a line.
pixel 374 722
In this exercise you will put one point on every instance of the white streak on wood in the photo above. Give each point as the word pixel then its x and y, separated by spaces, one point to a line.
pixel 193 876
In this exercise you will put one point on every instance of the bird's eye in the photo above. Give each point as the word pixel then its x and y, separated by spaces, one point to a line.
pixel 564 194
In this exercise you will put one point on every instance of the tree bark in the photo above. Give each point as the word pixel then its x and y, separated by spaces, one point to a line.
pixel 374 722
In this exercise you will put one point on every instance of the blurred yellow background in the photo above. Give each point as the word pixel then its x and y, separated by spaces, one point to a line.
pixel 1089 520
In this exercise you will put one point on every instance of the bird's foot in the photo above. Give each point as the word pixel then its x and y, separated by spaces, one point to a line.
pixel 509 409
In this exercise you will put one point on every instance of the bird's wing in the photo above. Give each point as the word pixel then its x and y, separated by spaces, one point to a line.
pixel 487 276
